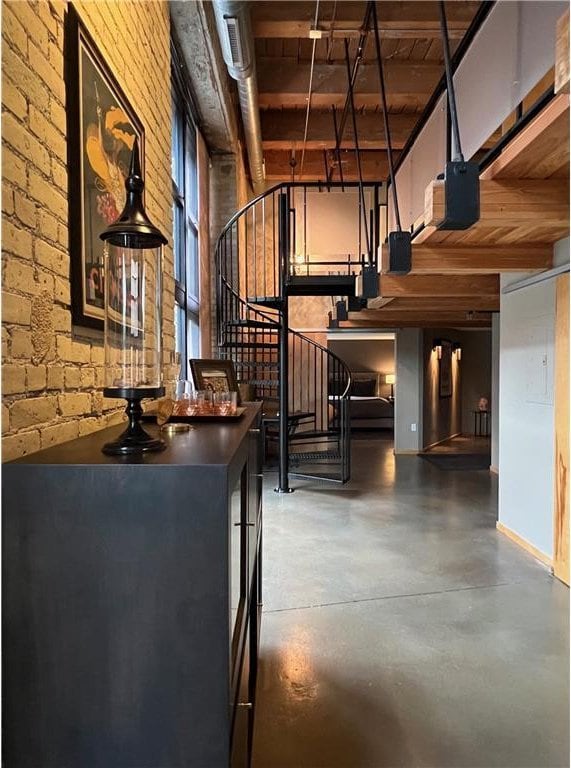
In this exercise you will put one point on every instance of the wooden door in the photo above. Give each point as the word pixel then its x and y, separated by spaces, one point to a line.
pixel 561 521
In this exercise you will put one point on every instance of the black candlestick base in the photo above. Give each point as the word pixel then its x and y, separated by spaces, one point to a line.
pixel 134 439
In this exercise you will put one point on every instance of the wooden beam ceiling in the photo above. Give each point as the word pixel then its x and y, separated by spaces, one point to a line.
pixel 475 260
pixel 512 211
pixel 284 129
pixel 400 30
pixel 374 165
pixel 424 320
pixel 396 20
pixel 284 82
pixel 541 150
pixel 418 304
pixel 562 54
pixel 438 285
pixel 524 192
pixel 508 203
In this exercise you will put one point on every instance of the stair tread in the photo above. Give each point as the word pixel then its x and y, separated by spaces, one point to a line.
pixel 262 382
pixel 321 285
pixel 314 456
pixel 270 326
pixel 250 344
pixel 266 301
pixel 269 365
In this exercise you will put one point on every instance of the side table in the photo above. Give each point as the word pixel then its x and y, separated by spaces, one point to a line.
pixel 481 423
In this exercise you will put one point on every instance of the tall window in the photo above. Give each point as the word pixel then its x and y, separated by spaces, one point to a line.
pixel 185 218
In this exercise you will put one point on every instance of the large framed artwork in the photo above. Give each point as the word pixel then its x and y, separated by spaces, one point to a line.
pixel 445 370
pixel 101 129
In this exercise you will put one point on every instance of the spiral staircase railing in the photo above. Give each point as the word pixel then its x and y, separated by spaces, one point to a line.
pixel 255 267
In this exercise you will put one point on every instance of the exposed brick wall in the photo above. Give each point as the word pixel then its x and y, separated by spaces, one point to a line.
pixel 223 205
pixel 52 373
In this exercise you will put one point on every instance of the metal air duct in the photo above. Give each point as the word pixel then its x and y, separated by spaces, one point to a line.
pixel 237 41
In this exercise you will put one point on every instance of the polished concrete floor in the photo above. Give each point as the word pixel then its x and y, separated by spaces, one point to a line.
pixel 463 444
pixel 400 629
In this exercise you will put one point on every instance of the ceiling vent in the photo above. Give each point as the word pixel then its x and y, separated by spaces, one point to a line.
pixel 235 44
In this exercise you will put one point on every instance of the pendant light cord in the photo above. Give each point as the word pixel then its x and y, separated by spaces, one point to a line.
pixel 357 153
pixel 373 6
pixel 309 93
pixel 458 156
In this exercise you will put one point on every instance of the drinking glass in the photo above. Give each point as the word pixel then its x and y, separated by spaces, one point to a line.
pixel 182 397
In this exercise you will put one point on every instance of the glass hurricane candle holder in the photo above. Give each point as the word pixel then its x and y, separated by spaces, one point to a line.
pixel 133 314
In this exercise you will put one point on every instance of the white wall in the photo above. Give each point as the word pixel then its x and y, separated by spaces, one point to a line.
pixel 333 223
pixel 476 373
pixel 495 447
pixel 526 419
pixel 408 391
pixel 377 355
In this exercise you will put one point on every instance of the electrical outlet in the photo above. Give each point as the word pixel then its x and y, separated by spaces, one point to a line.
pixel 413 427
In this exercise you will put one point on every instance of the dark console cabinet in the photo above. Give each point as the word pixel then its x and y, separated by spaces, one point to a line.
pixel 131 594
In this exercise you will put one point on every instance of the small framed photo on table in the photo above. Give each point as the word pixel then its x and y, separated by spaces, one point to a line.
pixel 215 375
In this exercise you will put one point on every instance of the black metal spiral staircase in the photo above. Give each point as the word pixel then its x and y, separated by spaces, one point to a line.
pixel 304 387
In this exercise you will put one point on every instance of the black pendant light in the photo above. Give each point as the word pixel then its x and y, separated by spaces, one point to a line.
pixel 399 241
pixel 461 178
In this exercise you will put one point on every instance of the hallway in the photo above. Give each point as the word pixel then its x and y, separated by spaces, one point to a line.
pixel 400 629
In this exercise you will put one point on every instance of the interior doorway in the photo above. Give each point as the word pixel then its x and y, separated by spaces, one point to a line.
pixel 457 401
pixel 370 358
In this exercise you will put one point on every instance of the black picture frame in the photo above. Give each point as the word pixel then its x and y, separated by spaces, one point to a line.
pixel 101 126
pixel 445 369
pixel 208 373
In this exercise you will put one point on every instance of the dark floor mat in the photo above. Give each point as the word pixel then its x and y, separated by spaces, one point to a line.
pixel 459 462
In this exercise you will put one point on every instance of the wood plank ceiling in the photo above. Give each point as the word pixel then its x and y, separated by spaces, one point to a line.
pixel 524 193
pixel 412 54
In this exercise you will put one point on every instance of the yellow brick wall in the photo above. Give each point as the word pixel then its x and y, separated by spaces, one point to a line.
pixel 52 374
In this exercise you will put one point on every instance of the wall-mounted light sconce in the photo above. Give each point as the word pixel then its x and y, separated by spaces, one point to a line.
pixel 391 379
pixel 437 347
pixel 457 350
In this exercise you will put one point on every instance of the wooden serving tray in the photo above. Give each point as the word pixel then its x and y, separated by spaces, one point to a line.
pixel 207 417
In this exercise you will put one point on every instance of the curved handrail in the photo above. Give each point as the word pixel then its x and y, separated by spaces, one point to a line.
pixel 238 331
pixel 283 185
pixel 342 363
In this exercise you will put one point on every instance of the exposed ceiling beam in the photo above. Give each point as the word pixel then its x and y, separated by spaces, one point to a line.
pixel 284 129
pixel 396 19
pixel 277 164
pixel 541 150
pixel 428 30
pixel 475 260
pixel 509 203
pixel 433 304
pixel 438 285
pixel 562 54
pixel 437 320
pixel 284 82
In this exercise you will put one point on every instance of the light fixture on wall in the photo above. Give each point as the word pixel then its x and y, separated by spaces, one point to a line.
pixel 133 313
pixel 437 347
pixel 457 350
pixel 391 379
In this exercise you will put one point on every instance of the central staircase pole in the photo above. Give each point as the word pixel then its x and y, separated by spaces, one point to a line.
pixel 284 248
